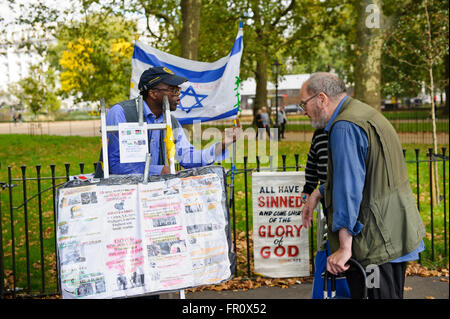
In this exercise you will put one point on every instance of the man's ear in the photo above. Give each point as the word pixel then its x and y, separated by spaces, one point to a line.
pixel 322 99
pixel 150 94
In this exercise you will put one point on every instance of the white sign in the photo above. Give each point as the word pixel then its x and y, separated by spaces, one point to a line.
pixel 280 243
pixel 126 240
pixel 133 142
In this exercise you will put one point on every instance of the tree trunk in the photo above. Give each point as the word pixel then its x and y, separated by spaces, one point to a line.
pixel 190 14
pixel 446 84
pixel 435 173
pixel 261 84
pixel 370 38
pixel 188 37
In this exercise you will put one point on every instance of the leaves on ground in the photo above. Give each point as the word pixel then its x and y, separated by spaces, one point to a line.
pixel 418 270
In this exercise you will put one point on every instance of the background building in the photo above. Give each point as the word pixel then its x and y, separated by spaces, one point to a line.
pixel 16 57
pixel 288 92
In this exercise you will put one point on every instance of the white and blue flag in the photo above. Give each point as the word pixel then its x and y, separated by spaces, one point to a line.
pixel 211 92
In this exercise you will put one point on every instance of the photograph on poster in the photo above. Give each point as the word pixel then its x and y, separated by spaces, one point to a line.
pixel 117 240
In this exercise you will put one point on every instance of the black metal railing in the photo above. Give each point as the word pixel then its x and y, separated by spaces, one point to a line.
pixel 21 208
pixel 28 265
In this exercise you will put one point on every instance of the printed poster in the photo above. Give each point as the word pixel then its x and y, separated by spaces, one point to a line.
pixel 133 142
pixel 116 241
pixel 280 243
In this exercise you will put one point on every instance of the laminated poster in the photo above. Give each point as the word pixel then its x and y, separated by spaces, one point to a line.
pixel 280 243
pixel 125 240
pixel 133 142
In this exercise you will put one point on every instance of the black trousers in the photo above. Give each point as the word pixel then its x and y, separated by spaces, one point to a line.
pixel 281 130
pixel 262 132
pixel 391 282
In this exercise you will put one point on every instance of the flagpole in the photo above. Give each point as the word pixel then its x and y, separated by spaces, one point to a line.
pixel 232 202
pixel 233 157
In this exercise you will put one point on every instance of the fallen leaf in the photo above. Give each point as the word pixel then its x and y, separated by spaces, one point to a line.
pixel 407 289
pixel 429 297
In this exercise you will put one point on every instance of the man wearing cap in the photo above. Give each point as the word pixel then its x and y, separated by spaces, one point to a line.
pixel 154 84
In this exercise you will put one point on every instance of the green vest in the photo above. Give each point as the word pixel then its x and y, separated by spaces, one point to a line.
pixel 388 211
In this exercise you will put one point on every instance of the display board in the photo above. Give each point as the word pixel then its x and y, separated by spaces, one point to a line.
pixel 120 237
pixel 280 243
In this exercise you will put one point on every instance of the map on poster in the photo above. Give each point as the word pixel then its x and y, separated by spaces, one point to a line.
pixel 117 241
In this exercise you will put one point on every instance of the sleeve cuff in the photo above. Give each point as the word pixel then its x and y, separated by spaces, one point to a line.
pixel 322 190
pixel 155 169
pixel 308 189
pixel 355 231
pixel 222 156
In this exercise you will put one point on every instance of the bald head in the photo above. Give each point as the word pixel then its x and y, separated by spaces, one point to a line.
pixel 327 83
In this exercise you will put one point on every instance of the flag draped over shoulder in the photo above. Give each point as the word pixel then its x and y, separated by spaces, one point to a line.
pixel 211 92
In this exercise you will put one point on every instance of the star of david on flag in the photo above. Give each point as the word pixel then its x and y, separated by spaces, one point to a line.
pixel 209 94
pixel 184 100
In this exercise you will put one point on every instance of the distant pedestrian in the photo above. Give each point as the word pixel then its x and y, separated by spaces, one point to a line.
pixel 14 119
pixel 281 122
pixel 265 120
pixel 259 124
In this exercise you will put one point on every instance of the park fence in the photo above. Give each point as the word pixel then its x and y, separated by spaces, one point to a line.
pixel 28 265
pixel 412 126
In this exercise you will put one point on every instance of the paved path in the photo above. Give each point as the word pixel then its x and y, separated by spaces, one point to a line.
pixel 415 288
pixel 65 128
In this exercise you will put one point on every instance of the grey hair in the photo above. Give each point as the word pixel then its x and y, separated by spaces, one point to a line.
pixel 327 83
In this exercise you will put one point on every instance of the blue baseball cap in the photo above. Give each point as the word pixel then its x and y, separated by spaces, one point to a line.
pixel 159 74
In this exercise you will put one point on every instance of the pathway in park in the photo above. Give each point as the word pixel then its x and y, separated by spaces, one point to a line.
pixel 416 287
pixel 92 128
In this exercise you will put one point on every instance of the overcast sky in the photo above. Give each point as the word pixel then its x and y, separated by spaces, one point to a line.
pixel 9 14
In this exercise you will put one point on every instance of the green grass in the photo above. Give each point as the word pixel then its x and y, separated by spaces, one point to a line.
pixel 420 126
pixel 411 126
pixel 23 150
pixel 19 150
pixel 425 202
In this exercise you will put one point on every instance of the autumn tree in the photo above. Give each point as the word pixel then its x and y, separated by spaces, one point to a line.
pixel 325 40
pixel 270 28
pixel 38 91
pixel 420 44
pixel 375 19
pixel 93 56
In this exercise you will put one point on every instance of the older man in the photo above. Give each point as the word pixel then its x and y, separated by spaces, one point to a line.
pixel 372 215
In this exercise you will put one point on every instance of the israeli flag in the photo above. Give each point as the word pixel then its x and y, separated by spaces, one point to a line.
pixel 212 90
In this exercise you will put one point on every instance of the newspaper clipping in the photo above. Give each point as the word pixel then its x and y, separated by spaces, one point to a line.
pixel 125 240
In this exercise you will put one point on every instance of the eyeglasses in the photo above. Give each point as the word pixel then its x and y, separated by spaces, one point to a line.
pixel 302 105
pixel 174 90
